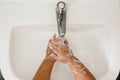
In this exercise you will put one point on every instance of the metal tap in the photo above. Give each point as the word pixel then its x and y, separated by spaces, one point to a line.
pixel 61 18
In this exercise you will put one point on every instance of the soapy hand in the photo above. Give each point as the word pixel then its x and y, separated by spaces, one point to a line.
pixel 61 51
pixel 49 51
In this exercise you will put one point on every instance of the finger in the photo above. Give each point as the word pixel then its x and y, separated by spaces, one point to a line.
pixel 55 45
pixel 49 40
pixel 54 48
pixel 51 46
pixel 61 39
pixel 54 37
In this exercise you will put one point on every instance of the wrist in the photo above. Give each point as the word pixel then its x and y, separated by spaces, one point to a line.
pixel 74 61
pixel 50 58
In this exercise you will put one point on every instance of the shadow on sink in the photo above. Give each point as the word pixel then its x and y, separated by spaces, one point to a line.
pixel 89 43
pixel 1 76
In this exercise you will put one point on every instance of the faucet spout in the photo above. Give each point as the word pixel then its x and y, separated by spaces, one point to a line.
pixel 61 18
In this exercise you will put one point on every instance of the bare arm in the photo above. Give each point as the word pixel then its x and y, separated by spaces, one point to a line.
pixel 65 55
pixel 79 70
pixel 44 71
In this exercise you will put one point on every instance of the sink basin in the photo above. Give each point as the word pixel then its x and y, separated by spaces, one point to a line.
pixel 89 42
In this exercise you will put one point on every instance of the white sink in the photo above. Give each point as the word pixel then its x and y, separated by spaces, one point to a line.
pixel 90 43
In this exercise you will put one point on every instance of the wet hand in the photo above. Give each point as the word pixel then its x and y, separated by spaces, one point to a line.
pixel 61 51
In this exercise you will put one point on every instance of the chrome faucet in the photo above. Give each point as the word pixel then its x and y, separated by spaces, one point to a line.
pixel 61 18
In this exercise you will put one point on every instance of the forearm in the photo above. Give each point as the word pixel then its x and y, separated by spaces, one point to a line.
pixel 79 70
pixel 44 70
